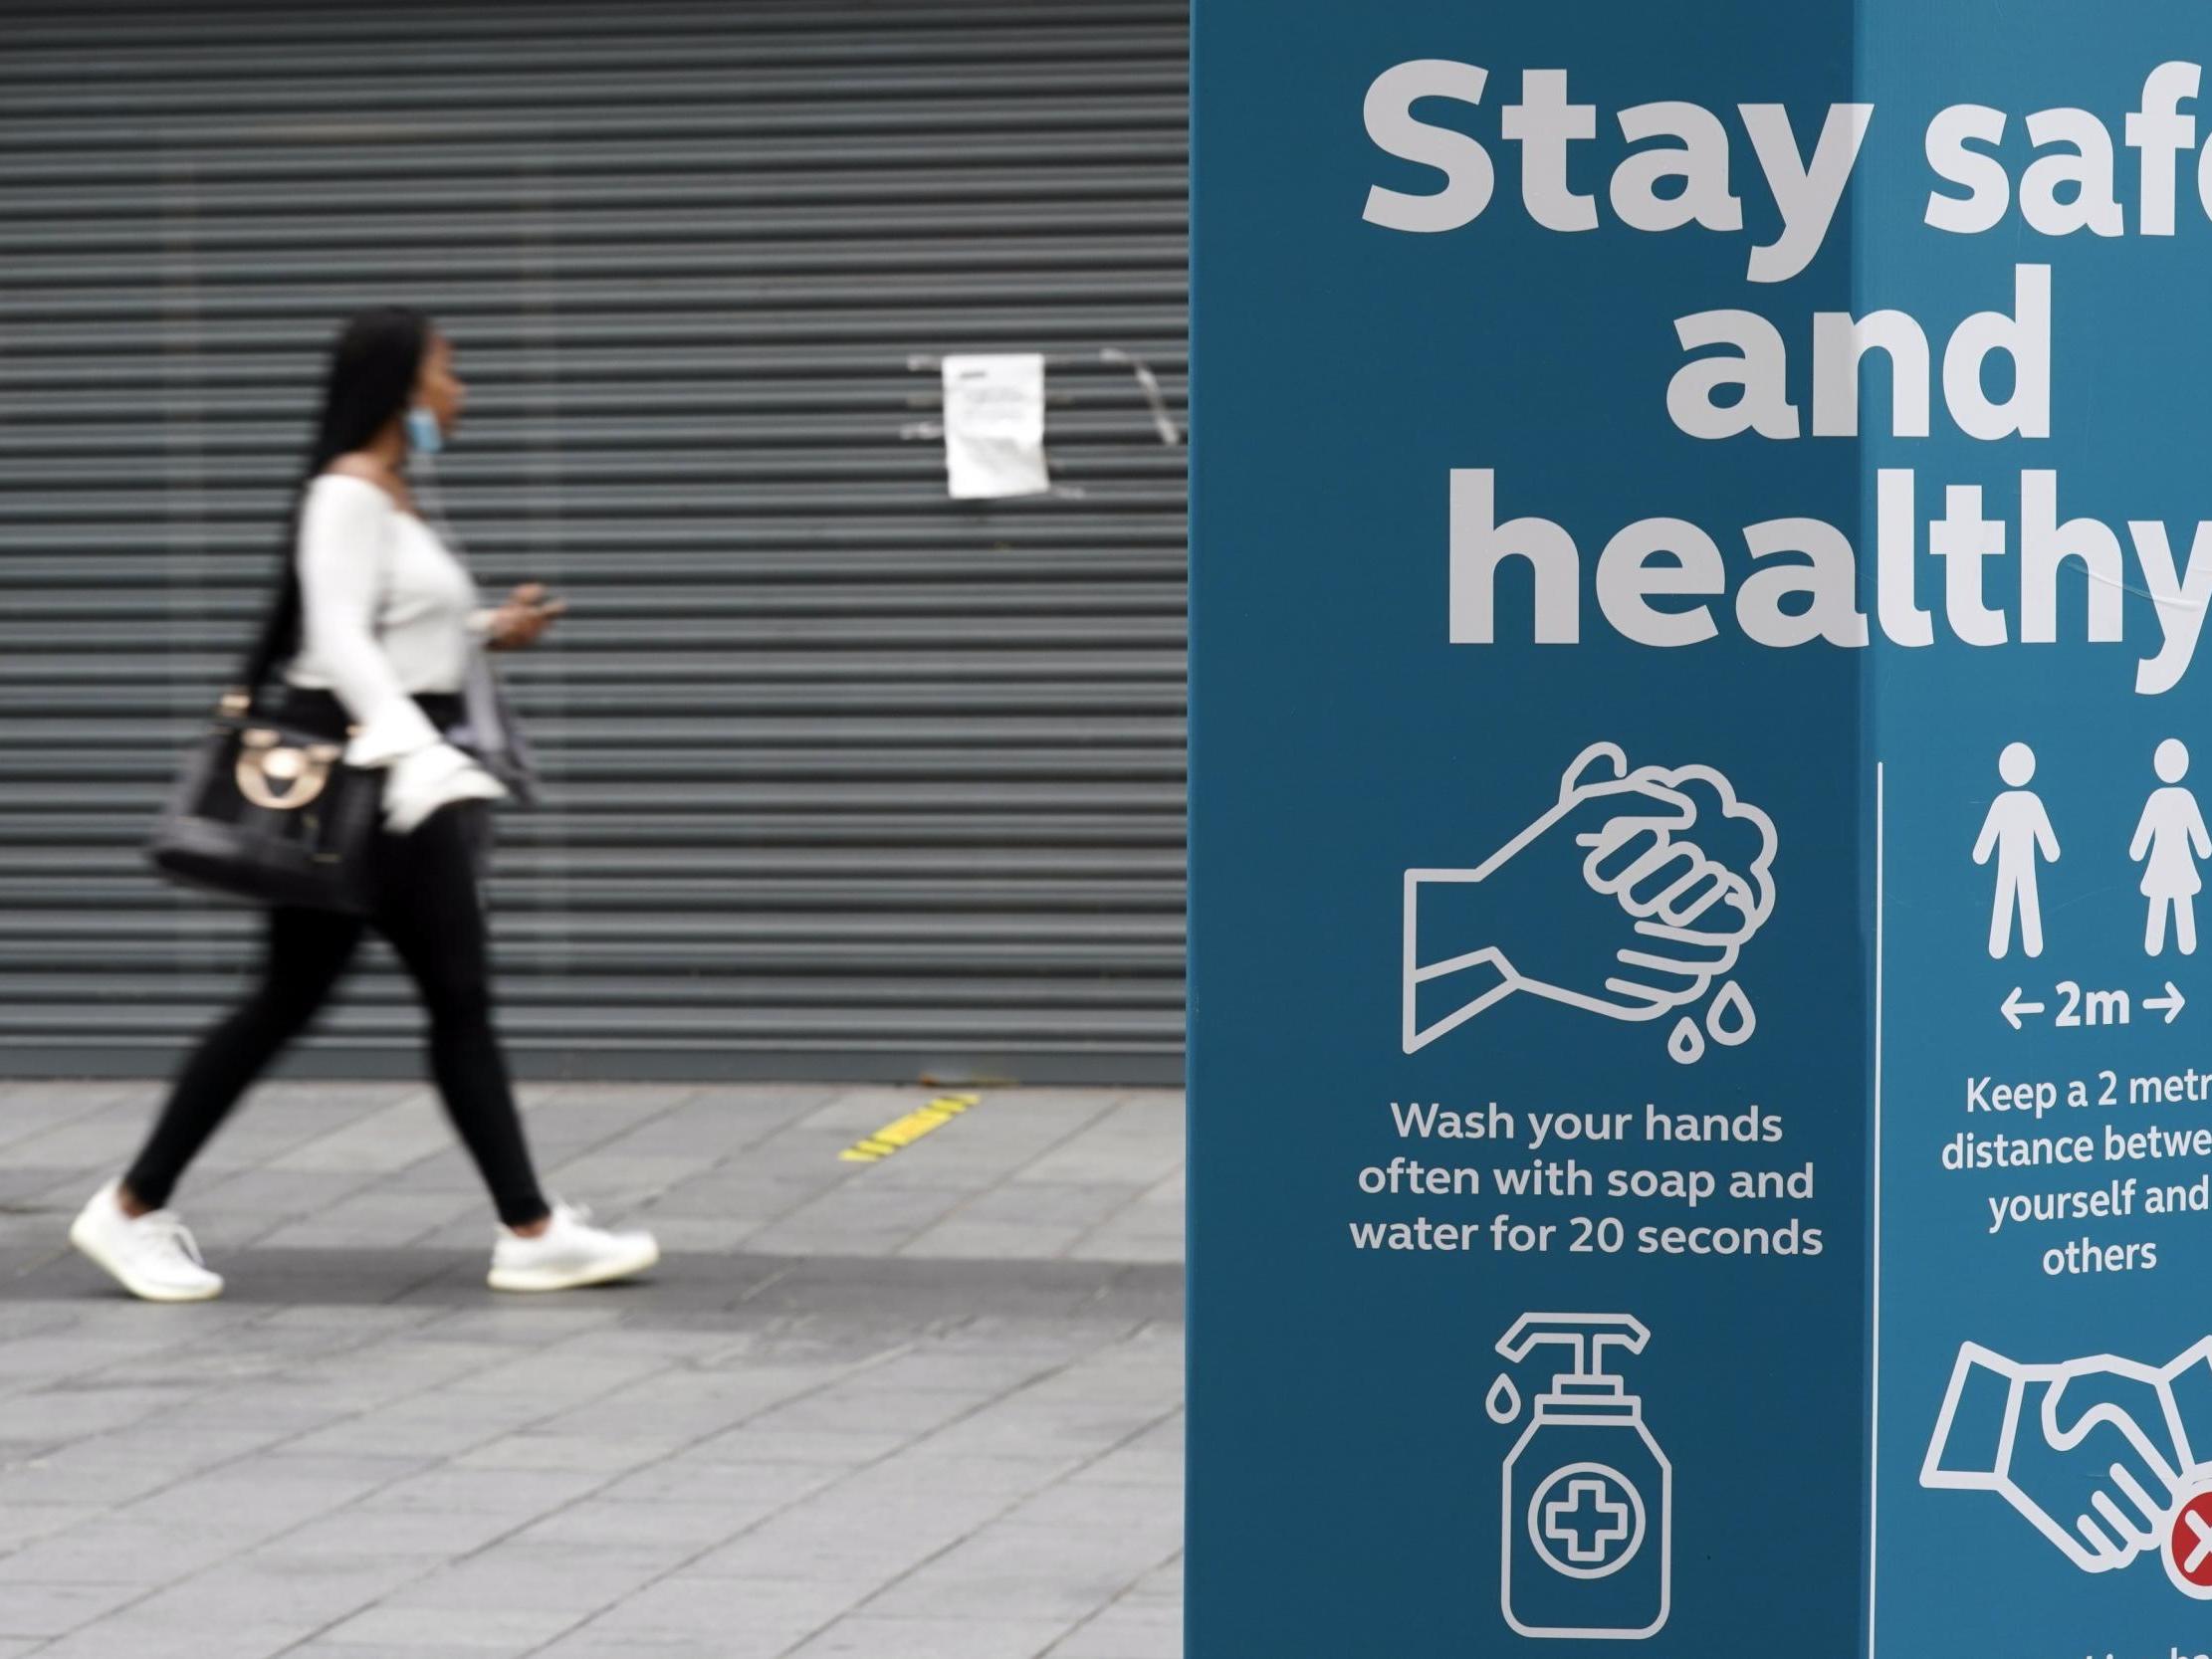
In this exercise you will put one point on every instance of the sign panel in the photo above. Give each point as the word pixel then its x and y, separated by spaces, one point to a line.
pixel 1699 1129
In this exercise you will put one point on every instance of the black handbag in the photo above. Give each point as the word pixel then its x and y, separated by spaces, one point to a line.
pixel 268 812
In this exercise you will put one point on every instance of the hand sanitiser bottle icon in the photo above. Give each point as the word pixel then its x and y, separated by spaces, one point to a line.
pixel 1589 1497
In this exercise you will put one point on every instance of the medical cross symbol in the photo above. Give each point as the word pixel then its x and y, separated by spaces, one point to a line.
pixel 2191 1543
pixel 1606 1520
pixel 1586 1520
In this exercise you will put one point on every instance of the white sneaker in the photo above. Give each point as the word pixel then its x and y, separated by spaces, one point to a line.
pixel 570 1252
pixel 152 1256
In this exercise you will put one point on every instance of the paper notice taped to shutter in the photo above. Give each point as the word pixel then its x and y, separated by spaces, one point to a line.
pixel 995 425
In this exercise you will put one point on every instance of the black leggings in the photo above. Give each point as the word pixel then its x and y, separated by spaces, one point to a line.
pixel 425 902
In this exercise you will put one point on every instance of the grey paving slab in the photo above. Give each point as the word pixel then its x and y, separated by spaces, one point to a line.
pixel 930 1471
pixel 925 1406
pixel 658 1523
pixel 89 1406
pixel 858 1218
pixel 853 1535
pixel 86 1141
pixel 388 1138
pixel 1021 1572
pixel 783 1606
pixel 54 1609
pixel 513 1494
pixel 133 1635
pixel 1137 1464
pixel 745 1489
pixel 990 1637
pixel 538 1576
pixel 297 1594
pixel 425 1535
pixel 1131 1628
pixel 1148 1229
pixel 475 1630
pixel 24 1524
pixel 1135 1143
pixel 526 1449
pixel 376 1217
pixel 967 1235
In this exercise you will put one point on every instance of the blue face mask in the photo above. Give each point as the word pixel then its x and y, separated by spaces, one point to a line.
pixel 424 435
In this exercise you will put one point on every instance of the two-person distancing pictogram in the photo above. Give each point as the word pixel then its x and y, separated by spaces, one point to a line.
pixel 2169 842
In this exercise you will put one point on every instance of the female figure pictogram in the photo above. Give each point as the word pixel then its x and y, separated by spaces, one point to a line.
pixel 2169 840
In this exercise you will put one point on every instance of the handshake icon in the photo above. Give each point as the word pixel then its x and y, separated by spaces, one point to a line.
pixel 1629 897
pixel 2104 1457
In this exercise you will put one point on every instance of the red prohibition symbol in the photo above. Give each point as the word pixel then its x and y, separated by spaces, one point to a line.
pixel 2189 1545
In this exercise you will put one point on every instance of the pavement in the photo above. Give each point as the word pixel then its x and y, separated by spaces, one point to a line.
pixel 922 1407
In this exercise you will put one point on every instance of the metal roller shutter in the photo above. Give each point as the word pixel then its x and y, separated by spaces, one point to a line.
pixel 844 777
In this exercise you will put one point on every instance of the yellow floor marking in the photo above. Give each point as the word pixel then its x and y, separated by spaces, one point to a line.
pixel 903 1132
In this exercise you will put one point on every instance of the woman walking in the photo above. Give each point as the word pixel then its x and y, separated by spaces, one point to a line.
pixel 373 625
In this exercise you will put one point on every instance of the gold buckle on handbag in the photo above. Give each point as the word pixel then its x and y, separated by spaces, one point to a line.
pixel 280 775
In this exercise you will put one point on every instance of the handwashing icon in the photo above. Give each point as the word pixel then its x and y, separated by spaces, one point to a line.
pixel 1629 897
pixel 1589 1497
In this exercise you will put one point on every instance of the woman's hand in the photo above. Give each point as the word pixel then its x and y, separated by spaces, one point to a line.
pixel 524 616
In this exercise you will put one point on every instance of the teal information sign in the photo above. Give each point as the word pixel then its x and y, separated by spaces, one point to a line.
pixel 1700 1082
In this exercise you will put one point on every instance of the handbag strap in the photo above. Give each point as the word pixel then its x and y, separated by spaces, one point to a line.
pixel 261 655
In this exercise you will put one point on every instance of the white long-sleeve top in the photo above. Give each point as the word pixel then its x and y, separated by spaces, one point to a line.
pixel 387 611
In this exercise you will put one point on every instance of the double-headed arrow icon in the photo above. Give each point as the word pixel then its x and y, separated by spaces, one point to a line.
pixel 2171 1004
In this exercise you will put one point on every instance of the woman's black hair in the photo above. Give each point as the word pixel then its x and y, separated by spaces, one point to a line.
pixel 371 377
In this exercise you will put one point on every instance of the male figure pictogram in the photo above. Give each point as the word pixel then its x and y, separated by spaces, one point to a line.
pixel 2016 829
